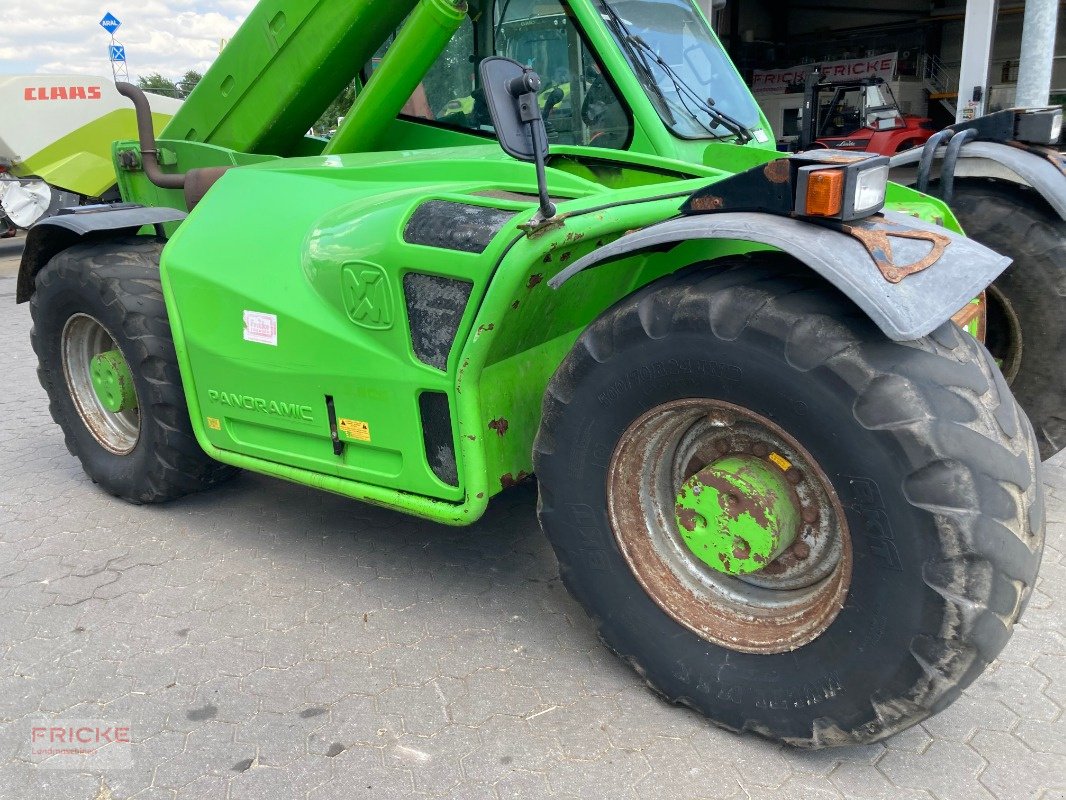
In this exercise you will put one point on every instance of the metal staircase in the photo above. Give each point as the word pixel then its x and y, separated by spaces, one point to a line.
pixel 941 81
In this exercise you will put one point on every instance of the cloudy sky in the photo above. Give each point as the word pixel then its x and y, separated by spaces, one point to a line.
pixel 165 36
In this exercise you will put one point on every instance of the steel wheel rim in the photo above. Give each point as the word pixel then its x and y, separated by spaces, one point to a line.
pixel 788 604
pixel 83 338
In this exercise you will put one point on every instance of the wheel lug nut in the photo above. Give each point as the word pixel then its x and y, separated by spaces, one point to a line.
pixel 801 550
pixel 761 450
pixel 722 445
pixel 794 476
pixel 811 515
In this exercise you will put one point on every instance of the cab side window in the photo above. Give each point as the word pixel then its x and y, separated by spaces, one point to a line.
pixel 579 104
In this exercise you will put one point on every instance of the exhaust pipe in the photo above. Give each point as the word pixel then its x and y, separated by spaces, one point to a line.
pixel 146 135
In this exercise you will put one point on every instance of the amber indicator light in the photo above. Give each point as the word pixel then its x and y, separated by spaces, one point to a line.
pixel 825 193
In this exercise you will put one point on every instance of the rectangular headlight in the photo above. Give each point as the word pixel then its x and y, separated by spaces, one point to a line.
pixel 841 186
pixel 871 184
pixel 1039 126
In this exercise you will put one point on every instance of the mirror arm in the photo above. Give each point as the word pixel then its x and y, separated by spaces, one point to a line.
pixel 529 111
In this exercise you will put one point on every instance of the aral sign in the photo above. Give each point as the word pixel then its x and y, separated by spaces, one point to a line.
pixel 779 80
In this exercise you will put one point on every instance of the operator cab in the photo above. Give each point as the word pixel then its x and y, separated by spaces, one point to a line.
pixel 579 104
pixel 683 71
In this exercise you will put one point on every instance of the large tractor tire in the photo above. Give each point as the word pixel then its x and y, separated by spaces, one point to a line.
pixel 1027 305
pixel 107 361
pixel 781 518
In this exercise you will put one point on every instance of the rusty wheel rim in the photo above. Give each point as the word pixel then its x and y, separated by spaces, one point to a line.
pixel 782 607
pixel 1006 345
pixel 83 338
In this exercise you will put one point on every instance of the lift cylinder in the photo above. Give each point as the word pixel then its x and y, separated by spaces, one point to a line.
pixel 418 45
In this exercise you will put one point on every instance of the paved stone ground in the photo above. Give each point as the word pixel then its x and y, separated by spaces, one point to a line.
pixel 268 641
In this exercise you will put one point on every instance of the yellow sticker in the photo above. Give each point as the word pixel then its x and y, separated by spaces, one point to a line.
pixel 781 461
pixel 354 429
pixel 214 423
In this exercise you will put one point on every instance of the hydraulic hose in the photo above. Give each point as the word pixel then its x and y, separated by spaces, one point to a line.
pixel 951 159
pixel 928 154
pixel 146 136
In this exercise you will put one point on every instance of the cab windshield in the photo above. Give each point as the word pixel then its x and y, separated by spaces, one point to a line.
pixel 681 65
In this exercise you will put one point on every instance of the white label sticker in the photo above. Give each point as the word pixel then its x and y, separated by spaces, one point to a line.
pixel 261 328
pixel 760 136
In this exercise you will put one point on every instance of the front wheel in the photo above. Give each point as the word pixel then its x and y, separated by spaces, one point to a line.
pixel 106 359
pixel 779 517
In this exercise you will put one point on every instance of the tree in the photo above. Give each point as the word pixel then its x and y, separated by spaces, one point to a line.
pixel 188 81
pixel 157 84
pixel 337 109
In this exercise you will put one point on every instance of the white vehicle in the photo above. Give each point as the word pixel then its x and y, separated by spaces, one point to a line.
pixel 55 141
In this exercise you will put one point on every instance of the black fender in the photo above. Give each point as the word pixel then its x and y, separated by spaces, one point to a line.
pixel 1040 169
pixel 51 236
pixel 907 275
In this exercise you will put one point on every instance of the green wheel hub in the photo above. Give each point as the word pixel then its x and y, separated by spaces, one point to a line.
pixel 737 514
pixel 112 381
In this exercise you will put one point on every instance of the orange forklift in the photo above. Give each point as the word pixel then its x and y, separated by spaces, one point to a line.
pixel 862 115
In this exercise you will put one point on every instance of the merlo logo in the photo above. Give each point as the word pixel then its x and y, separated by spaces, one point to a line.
pixel 367 295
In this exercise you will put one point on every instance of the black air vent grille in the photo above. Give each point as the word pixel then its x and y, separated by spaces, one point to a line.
pixel 455 226
pixel 435 307
pixel 438 437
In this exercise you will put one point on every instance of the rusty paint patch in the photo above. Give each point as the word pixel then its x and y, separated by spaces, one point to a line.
pixel 877 241
pixel 735 503
pixel 707 203
pixel 484 328
pixel 974 314
pixel 565 257
pixel 535 279
pixel 507 480
pixel 515 304
pixel 500 426
pixel 777 171
pixel 686 517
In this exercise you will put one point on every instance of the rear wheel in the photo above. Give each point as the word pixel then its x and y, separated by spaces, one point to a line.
pixel 107 361
pixel 779 517
pixel 1027 304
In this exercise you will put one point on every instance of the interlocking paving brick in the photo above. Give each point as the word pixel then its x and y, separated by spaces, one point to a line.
pixel 264 640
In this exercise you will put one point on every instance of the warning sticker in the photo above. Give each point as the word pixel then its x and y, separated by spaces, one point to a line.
pixel 781 461
pixel 214 423
pixel 354 429
pixel 261 328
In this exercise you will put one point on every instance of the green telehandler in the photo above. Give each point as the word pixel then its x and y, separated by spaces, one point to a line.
pixel 785 486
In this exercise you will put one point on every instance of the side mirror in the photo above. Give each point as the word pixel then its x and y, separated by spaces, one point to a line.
pixel 507 85
pixel 511 94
